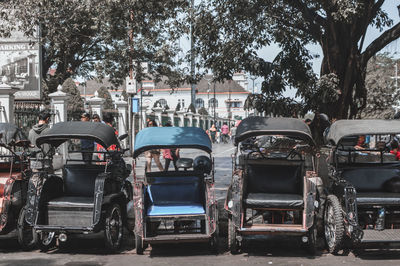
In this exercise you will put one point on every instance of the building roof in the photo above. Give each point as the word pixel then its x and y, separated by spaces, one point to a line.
pixel 204 84
pixel 227 86
pixel 95 84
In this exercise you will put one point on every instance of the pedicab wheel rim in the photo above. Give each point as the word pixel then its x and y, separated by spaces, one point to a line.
pixel 333 223
pixel 114 228
pixel 233 244
pixel 27 236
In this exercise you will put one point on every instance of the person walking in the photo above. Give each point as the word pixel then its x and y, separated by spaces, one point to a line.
pixel 153 154
pixel 40 128
pixel 170 154
pixel 224 133
pixel 213 133
pixel 87 146
pixel 233 132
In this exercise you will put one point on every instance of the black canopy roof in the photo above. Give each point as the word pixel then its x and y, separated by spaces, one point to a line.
pixel 61 132
pixel 11 134
pixel 256 126
pixel 357 127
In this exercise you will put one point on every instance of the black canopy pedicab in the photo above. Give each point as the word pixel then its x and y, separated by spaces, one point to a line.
pixel 175 206
pixel 363 205
pixel 85 197
pixel 274 184
pixel 14 175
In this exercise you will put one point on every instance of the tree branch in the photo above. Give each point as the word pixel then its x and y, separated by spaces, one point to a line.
pixel 380 42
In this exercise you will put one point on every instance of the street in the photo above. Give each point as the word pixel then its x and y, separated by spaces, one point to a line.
pixel 89 249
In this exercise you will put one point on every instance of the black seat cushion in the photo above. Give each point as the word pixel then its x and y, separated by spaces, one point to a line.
pixel 284 179
pixel 370 179
pixel 65 202
pixel 79 180
pixel 270 200
pixel 378 198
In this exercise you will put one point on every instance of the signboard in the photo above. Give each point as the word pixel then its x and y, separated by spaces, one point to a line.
pixel 135 105
pixel 20 61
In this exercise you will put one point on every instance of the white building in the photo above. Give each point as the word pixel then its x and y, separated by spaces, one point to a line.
pixel 228 96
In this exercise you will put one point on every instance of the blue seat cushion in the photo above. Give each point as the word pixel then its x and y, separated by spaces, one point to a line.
pixel 183 209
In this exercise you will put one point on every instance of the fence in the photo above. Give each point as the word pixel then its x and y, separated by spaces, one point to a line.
pixel 26 114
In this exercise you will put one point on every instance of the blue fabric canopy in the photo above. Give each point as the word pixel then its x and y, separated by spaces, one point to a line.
pixel 171 137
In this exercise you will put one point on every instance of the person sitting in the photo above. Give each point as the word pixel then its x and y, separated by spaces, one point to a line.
pixel 361 144
pixel 394 149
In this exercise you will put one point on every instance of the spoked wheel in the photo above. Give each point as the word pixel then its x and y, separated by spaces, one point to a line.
pixel 114 229
pixel 27 236
pixel 312 240
pixel 139 244
pixel 334 226
pixel 214 241
pixel 46 241
pixel 233 244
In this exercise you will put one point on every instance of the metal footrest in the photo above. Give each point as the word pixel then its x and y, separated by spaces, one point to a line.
pixel 178 238
pixel 375 236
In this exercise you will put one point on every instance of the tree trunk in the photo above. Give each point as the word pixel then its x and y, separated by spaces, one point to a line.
pixel 342 57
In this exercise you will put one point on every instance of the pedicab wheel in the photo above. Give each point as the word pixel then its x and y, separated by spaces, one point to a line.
pixel 46 241
pixel 27 236
pixel 214 240
pixel 114 229
pixel 139 244
pixel 312 240
pixel 333 223
pixel 233 244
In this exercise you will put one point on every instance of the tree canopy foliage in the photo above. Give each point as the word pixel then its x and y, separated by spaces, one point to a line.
pixel 382 95
pixel 230 33
pixel 75 102
pixel 97 37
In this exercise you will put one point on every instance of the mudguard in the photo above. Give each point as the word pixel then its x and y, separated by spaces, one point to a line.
pixel 98 196
pixel 138 201
pixel 311 182
pixel 35 187
pixel 211 204
pixel 233 200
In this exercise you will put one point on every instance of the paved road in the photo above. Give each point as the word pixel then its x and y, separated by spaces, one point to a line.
pixel 88 250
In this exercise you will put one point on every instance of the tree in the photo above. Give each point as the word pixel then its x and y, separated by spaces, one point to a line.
pixel 75 102
pixel 105 94
pixel 86 38
pixel 229 34
pixel 382 94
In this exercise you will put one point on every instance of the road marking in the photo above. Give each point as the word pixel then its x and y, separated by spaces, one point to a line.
pixel 224 151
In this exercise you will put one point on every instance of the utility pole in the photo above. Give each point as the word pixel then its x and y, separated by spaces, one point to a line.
pixel 192 57
pixel 214 103
pixel 396 76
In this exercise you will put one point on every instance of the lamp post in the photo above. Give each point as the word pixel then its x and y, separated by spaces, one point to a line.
pixel 214 102
pixel 253 78
pixel 208 79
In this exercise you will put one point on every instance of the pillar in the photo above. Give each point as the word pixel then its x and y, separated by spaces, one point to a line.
pixel 7 101
pixel 181 115
pixel 158 113
pixel 122 107
pixel 96 104
pixel 190 116
pixel 171 116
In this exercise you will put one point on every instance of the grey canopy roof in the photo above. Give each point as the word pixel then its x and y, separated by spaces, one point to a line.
pixel 346 128
pixel 61 132
pixel 257 126
pixel 11 134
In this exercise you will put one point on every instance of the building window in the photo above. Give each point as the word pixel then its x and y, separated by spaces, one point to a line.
pixel 213 102
pixel 199 103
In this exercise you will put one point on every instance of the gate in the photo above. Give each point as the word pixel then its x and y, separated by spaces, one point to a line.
pixel 26 114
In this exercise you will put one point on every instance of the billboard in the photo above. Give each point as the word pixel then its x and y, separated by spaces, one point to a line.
pixel 20 61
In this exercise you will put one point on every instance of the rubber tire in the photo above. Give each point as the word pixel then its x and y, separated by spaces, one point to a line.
pixel 338 223
pixel 22 226
pixel 113 244
pixel 233 244
pixel 214 241
pixel 44 247
pixel 311 245
pixel 139 244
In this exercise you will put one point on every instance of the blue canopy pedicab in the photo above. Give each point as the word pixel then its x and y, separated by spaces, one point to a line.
pixel 175 206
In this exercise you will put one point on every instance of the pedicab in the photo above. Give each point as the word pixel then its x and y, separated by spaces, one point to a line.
pixel 363 204
pixel 86 197
pixel 14 175
pixel 274 183
pixel 175 206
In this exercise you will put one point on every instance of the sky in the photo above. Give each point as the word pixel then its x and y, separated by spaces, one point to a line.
pixel 390 6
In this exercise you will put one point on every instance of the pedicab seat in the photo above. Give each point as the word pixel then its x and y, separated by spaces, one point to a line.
pixel 79 183
pixel 272 200
pixel 274 186
pixel 174 193
pixel 374 185
pixel 184 163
